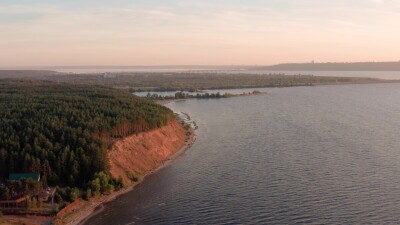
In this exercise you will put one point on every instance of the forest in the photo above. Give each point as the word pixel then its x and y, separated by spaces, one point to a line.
pixel 63 131
pixel 186 81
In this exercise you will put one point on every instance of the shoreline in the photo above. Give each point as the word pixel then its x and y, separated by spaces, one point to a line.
pixel 165 101
pixel 98 205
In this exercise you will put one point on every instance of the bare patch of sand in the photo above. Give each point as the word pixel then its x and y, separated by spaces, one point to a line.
pixel 138 154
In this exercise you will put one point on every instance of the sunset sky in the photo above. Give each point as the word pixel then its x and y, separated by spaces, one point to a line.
pixel 207 32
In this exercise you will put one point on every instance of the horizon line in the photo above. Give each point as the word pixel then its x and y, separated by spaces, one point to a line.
pixel 188 65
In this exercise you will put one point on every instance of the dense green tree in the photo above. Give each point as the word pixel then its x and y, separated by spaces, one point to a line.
pixel 72 194
pixel 95 187
pixel 63 131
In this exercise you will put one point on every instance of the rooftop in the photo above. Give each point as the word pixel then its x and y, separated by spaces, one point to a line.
pixel 20 176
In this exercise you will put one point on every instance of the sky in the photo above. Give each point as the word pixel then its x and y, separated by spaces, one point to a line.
pixel 189 32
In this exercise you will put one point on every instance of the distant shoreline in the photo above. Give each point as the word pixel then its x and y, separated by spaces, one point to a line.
pixel 167 100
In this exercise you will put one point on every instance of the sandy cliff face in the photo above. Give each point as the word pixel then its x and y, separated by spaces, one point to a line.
pixel 142 153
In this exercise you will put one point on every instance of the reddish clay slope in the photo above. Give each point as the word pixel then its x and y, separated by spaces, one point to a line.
pixel 142 153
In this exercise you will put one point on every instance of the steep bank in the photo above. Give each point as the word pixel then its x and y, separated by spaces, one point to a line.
pixel 139 154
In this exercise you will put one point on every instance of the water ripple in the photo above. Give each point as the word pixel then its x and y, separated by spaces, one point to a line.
pixel 307 155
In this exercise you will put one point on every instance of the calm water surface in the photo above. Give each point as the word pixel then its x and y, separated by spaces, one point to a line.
pixel 318 155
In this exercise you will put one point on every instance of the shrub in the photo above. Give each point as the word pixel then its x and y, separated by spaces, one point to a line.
pixel 88 194
pixel 72 194
pixel 56 208
pixel 132 177
pixel 94 186
pixel 108 189
pixel 119 183
pixel 58 198
pixel 31 202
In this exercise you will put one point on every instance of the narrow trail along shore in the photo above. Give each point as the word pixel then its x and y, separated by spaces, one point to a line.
pixel 138 155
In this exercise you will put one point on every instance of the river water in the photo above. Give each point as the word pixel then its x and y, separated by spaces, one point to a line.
pixel 319 155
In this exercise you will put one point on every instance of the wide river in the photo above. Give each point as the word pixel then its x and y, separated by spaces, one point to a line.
pixel 319 155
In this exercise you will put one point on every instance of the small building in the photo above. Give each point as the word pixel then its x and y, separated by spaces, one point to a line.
pixel 21 176
pixel 47 195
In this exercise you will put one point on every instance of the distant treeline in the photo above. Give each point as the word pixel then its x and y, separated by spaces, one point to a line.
pixel 31 74
pixel 186 81
pixel 62 131
pixel 183 95
pixel 357 66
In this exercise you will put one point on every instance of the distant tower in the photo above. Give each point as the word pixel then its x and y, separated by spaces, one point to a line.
pixel 312 61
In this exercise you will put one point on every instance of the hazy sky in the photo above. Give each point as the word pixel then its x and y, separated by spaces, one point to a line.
pixel 160 32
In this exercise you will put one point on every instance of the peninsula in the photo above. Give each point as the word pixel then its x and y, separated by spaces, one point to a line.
pixel 68 148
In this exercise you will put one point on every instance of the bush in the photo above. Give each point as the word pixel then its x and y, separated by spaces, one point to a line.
pixel 109 188
pixel 119 183
pixel 132 177
pixel 102 183
pixel 56 208
pixel 31 202
pixel 58 198
pixel 39 203
pixel 88 194
pixel 94 187
pixel 72 194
